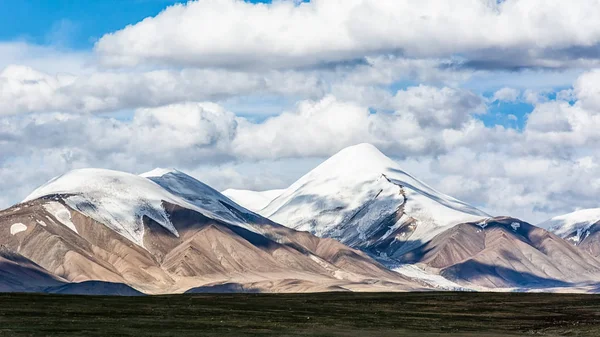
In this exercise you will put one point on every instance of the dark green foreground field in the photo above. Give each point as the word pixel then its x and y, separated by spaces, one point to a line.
pixel 339 314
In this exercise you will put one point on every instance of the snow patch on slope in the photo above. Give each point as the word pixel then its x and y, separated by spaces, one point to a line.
pixel 252 200
pixel 17 228
pixel 572 226
pixel 433 280
pixel 61 213
pixel 515 226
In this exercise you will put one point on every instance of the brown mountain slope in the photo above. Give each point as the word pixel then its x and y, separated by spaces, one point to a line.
pixel 505 252
pixel 19 274
pixel 206 251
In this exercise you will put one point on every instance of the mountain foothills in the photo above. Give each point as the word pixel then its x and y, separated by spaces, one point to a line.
pixel 357 222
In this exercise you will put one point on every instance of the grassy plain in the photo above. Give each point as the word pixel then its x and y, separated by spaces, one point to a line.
pixel 324 314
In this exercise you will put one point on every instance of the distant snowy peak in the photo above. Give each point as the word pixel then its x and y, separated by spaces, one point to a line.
pixel 252 200
pixel 573 226
pixel 362 197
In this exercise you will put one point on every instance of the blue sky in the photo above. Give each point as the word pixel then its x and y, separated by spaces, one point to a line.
pixel 71 23
pixel 500 113
pixel 74 24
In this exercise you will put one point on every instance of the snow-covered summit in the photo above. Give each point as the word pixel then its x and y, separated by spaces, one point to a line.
pixel 359 195
pixel 358 158
pixel 117 199
pixel 572 226
pixel 120 200
pixel 363 162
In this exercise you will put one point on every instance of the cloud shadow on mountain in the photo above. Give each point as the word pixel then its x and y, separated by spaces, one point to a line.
pixel 472 270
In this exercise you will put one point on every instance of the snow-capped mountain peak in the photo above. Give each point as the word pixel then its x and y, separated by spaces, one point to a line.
pixel 354 161
pixel 358 157
pixel 361 197
pixel 120 200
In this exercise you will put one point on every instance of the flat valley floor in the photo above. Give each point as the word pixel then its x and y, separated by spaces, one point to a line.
pixel 324 314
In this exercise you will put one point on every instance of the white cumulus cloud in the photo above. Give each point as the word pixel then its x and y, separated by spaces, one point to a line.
pixel 238 34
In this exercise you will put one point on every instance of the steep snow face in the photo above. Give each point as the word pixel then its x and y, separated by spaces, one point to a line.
pixel 252 200
pixel 118 200
pixel 573 226
pixel 362 198
pixel 204 198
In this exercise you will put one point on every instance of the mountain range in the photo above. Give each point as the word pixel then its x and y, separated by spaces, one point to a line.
pixel 357 222
pixel 166 232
